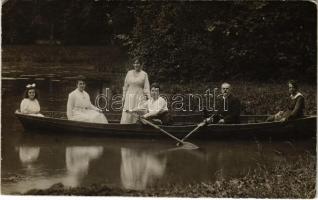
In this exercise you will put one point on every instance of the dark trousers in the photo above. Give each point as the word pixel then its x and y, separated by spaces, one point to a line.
pixel 165 118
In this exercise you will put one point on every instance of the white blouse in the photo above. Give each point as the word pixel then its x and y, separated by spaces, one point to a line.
pixel 153 107
pixel 78 101
pixel 28 106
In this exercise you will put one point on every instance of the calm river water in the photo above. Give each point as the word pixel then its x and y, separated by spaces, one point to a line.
pixel 39 160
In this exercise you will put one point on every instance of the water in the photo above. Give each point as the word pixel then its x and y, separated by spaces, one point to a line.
pixel 39 160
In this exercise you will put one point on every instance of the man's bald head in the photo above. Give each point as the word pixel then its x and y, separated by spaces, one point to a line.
pixel 226 89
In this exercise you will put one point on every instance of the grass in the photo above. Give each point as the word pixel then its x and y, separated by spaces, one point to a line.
pixel 284 179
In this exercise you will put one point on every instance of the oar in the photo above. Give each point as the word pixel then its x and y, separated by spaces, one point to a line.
pixel 186 145
pixel 194 130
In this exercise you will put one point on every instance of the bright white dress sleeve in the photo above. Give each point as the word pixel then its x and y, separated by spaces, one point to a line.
pixel 24 106
pixel 163 104
pixel 37 106
pixel 160 105
pixel 90 103
pixel 125 88
pixel 147 86
pixel 70 105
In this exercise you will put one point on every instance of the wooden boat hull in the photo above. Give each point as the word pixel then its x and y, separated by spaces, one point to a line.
pixel 300 128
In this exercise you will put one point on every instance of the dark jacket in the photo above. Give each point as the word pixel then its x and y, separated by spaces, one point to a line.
pixel 228 109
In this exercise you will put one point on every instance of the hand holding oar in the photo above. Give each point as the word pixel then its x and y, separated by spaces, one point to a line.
pixel 186 145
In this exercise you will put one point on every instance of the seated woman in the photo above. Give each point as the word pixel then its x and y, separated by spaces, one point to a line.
pixel 295 108
pixel 155 108
pixel 30 104
pixel 80 108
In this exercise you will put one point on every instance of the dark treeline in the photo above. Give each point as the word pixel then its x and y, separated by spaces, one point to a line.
pixel 180 41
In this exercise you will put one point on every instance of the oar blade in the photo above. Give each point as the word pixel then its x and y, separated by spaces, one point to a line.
pixel 189 146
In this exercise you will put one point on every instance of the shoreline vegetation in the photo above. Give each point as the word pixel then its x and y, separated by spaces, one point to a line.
pixel 110 64
pixel 285 179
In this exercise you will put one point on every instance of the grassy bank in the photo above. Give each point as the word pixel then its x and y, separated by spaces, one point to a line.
pixel 286 179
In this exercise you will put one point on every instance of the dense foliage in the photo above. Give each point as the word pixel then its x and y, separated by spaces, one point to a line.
pixel 181 41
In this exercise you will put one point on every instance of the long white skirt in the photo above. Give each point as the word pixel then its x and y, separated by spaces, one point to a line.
pixel 92 116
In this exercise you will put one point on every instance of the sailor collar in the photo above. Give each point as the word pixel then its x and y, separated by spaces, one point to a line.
pixel 296 95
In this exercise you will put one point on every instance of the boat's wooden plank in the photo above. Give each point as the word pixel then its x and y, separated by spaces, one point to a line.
pixel 303 127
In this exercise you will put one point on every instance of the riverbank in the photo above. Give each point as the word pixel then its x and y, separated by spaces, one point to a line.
pixel 285 180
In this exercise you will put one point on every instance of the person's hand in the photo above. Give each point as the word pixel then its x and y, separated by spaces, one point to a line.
pixel 202 123
pixel 283 119
pixel 208 120
pixel 145 115
pixel 221 121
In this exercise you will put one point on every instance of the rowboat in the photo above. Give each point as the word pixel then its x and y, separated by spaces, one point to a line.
pixel 251 126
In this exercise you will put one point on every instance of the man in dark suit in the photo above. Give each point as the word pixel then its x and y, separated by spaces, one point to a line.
pixel 228 107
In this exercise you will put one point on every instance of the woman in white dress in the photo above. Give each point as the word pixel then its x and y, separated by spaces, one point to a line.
pixel 80 108
pixel 30 104
pixel 136 86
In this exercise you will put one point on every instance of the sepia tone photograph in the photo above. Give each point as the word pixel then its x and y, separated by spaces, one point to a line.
pixel 191 99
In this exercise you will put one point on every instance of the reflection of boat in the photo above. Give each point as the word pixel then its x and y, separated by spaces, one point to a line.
pixel 251 126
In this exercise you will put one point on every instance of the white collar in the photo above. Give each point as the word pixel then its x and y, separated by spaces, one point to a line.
pixel 80 91
pixel 296 95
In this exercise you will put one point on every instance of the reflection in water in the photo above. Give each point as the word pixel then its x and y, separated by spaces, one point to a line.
pixel 140 168
pixel 77 165
pixel 77 162
pixel 220 164
pixel 28 155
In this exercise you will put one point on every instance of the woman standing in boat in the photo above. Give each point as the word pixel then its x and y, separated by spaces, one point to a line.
pixel 80 108
pixel 295 107
pixel 30 104
pixel 135 87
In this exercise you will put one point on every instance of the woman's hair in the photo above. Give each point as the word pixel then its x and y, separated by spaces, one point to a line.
pixel 155 85
pixel 139 59
pixel 136 58
pixel 80 78
pixel 293 83
pixel 26 95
